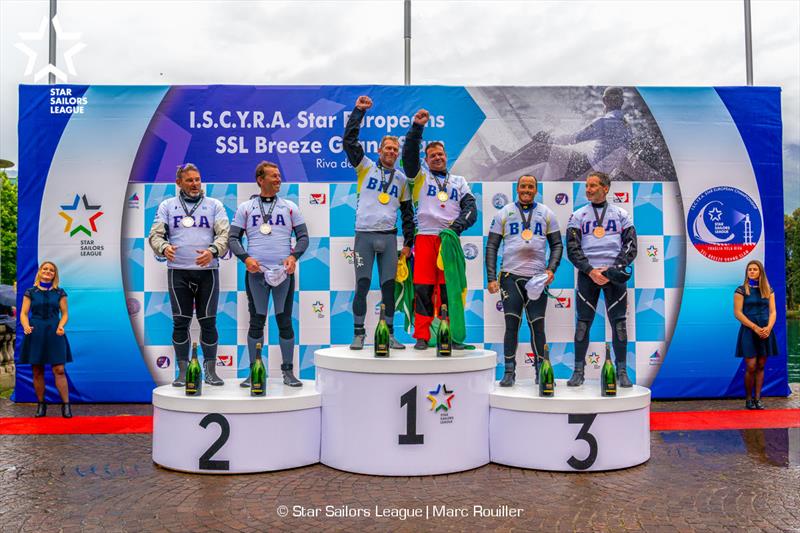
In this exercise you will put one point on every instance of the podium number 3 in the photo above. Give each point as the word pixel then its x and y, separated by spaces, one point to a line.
pixel 584 434
pixel 410 437
pixel 206 461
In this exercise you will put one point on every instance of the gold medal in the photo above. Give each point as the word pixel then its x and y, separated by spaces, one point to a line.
pixel 442 196
pixel 527 234
pixel 383 198
pixel 599 232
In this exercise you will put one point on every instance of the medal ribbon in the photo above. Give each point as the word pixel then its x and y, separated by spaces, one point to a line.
pixel 599 219
pixel 196 205
pixel 526 224
pixel 386 184
pixel 441 186
pixel 266 216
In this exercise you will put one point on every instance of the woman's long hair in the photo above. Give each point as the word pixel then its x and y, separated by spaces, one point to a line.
pixel 39 274
pixel 763 284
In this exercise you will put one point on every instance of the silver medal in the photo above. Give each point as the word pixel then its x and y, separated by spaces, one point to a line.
pixel 265 229
pixel 187 222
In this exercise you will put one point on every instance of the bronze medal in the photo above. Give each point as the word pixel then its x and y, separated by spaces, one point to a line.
pixel 527 234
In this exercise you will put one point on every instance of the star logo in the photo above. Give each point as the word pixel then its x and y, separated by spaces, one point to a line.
pixel 652 251
pixel 593 359
pixel 349 255
pixel 92 220
pixel 42 35
pixel 441 398
pixel 318 308
pixel 715 214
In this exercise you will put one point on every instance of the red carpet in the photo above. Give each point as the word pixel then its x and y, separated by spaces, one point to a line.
pixel 717 420
pixel 78 425
pixel 662 421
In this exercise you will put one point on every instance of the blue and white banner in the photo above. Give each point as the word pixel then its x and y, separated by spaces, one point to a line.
pixel 699 170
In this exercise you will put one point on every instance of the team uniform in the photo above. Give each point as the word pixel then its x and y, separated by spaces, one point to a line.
pixel 598 236
pixel 525 232
pixel 381 193
pixel 268 224
pixel 190 225
pixel 442 201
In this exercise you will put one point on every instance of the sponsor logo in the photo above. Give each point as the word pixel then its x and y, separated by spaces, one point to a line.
pixel 621 197
pixel 563 302
pixel 319 309
pixel 652 253
pixel 655 358
pixel 593 359
pixel 724 224
pixel 133 201
pixel 163 361
pixel 499 305
pixel 75 223
pixel 318 198
pixel 225 360
pixel 349 255
pixel 499 200
pixel 470 251
pixel 562 198
pixel 160 258
pixel 133 306
pixel 441 399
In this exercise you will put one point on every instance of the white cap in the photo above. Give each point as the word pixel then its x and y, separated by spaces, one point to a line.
pixel 535 286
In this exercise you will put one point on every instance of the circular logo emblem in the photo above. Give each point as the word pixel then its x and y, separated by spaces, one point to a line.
pixel 562 198
pixel 499 305
pixel 133 306
pixel 499 200
pixel 163 362
pixel 470 251
pixel 724 224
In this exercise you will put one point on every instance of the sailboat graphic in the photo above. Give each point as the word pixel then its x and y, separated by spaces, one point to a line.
pixel 701 231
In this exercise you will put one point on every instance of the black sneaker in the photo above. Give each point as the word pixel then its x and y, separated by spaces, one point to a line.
pixel 749 404
pixel 758 405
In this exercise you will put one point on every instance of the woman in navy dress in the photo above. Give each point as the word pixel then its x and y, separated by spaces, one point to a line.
pixel 45 342
pixel 754 307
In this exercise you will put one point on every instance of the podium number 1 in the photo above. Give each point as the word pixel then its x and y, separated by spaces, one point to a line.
pixel 586 421
pixel 410 437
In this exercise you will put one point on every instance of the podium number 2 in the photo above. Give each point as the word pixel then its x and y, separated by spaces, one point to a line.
pixel 206 461
pixel 410 437
pixel 584 434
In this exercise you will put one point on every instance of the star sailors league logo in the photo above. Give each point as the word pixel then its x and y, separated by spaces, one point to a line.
pixel 724 224
pixel 441 399
pixel 81 217
pixel 38 38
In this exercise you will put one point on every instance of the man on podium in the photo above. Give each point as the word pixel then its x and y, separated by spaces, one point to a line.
pixel 191 231
pixel 268 222
pixel 601 243
pixel 443 202
pixel 382 190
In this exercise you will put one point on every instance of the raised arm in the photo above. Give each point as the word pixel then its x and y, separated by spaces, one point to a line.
pixel 413 143
pixel 354 151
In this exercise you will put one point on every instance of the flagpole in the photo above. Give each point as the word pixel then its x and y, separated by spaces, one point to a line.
pixel 748 42
pixel 407 39
pixel 51 77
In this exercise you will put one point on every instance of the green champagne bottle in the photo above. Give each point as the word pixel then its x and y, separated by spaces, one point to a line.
pixel 258 375
pixel 382 335
pixel 546 376
pixel 608 376
pixel 194 375
pixel 443 341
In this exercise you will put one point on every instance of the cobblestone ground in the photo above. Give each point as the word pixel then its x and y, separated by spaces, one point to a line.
pixel 695 481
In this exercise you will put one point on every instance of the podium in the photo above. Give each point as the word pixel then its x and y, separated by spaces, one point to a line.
pixel 227 431
pixel 576 430
pixel 409 414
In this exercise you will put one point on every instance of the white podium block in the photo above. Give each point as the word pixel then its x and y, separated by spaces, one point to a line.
pixel 227 431
pixel 576 430
pixel 406 415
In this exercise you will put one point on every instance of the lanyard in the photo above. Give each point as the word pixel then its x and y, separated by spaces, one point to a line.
pixel 441 186
pixel 196 205
pixel 525 223
pixel 386 184
pixel 599 219
pixel 266 216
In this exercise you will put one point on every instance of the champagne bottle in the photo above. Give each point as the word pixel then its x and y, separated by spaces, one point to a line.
pixel 382 335
pixel 546 376
pixel 608 376
pixel 443 341
pixel 258 375
pixel 194 375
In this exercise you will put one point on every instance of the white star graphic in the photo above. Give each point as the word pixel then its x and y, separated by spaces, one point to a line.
pixel 41 35
pixel 715 215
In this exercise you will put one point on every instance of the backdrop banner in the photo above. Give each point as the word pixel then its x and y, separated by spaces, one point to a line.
pixel 699 169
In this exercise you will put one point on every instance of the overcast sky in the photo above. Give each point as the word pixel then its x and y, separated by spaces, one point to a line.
pixel 654 42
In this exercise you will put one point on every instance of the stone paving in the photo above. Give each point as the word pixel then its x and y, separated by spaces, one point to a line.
pixel 695 481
